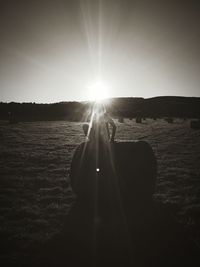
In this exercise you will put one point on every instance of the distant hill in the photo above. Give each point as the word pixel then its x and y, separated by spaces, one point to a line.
pixel 164 106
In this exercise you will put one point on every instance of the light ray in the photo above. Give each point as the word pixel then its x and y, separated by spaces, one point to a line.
pixel 94 35
pixel 98 91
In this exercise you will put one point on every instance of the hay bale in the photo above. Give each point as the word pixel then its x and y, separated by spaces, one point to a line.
pixel 121 119
pixel 138 120
pixel 169 120
pixel 12 118
pixel 114 186
pixel 131 166
pixel 195 124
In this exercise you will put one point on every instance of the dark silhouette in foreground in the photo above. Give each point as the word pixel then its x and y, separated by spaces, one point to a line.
pixel 115 221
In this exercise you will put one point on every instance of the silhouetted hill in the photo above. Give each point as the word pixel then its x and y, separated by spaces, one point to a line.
pixel 172 106
pixel 34 112
pixel 165 106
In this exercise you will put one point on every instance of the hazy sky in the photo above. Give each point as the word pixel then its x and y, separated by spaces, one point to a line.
pixel 53 50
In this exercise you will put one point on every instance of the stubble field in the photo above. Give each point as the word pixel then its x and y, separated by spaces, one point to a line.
pixel 35 195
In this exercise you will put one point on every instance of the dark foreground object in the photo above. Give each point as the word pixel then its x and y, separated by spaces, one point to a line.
pixel 114 221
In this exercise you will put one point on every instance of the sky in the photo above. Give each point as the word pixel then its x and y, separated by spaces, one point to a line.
pixel 53 51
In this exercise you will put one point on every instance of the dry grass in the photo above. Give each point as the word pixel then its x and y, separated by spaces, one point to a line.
pixel 35 195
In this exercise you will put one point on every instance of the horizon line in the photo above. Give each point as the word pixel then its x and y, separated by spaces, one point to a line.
pixel 109 98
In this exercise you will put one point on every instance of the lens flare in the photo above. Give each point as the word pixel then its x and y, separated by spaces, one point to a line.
pixel 98 91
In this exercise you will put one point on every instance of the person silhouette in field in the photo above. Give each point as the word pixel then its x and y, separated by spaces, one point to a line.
pixel 99 127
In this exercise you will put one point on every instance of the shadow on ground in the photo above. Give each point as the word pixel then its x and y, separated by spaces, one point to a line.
pixel 152 238
pixel 115 222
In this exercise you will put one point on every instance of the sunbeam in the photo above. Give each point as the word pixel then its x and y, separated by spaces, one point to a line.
pixel 98 91
pixel 105 180
pixel 93 33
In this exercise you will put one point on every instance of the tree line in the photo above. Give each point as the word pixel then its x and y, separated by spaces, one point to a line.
pixel 185 107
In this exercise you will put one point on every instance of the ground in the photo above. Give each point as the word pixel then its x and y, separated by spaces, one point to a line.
pixel 35 194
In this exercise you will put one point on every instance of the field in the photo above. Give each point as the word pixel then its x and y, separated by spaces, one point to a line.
pixel 35 195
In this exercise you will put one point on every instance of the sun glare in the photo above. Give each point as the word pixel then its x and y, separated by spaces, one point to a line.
pixel 98 91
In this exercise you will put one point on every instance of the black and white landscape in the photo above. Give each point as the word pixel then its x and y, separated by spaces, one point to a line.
pixel 99 133
pixel 35 192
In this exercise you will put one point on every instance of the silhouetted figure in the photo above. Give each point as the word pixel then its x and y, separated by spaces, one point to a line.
pixel 99 129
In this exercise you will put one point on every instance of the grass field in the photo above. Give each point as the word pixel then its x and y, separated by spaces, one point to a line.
pixel 35 195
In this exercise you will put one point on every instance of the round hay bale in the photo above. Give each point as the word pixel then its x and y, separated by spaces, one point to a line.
pixel 138 120
pixel 114 184
pixel 195 124
pixel 127 169
pixel 121 119
pixel 12 118
pixel 169 120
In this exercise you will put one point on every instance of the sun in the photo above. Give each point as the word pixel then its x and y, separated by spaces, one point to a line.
pixel 98 91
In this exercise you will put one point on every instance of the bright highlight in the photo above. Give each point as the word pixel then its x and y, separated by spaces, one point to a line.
pixel 98 91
